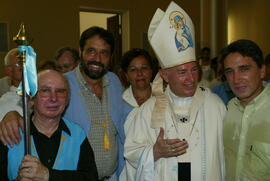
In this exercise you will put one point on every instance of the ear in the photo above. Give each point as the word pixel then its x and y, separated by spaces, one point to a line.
pixel 80 53
pixel 7 71
pixel 263 71
pixel 164 74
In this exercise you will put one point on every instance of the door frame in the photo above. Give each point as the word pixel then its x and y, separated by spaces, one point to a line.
pixel 125 26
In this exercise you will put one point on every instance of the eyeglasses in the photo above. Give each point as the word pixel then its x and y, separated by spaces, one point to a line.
pixel 47 92
pixel 17 65
pixel 63 67
pixel 101 53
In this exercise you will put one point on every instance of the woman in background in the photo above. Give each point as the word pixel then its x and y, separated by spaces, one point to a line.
pixel 138 66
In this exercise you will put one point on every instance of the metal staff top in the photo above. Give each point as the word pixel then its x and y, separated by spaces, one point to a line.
pixel 22 41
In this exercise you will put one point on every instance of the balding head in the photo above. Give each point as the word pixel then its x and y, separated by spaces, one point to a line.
pixel 49 73
pixel 13 68
pixel 53 95
pixel 13 53
pixel 52 73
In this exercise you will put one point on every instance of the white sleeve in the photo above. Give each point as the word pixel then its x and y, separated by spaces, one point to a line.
pixel 140 139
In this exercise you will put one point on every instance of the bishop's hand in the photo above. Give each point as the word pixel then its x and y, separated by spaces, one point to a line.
pixel 164 148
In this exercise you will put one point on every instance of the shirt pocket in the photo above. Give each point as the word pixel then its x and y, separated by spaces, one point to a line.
pixel 260 158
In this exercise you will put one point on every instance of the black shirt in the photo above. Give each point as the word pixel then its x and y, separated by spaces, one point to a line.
pixel 47 149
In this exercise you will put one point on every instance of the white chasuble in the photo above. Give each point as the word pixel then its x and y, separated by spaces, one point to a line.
pixel 198 120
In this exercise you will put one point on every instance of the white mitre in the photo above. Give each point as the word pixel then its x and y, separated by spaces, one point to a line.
pixel 171 35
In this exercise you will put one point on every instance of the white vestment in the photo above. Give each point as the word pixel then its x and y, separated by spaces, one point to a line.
pixel 5 84
pixel 10 101
pixel 205 150
pixel 129 97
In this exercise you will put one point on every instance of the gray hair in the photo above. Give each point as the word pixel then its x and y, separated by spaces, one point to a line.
pixel 11 53
pixel 61 75
pixel 73 51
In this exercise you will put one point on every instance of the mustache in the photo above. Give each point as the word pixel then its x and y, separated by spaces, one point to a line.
pixel 96 63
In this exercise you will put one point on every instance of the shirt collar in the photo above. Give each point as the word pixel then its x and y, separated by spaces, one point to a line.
pixel 129 97
pixel 61 127
pixel 179 101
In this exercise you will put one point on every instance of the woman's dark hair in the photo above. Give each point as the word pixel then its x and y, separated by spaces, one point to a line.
pixel 133 53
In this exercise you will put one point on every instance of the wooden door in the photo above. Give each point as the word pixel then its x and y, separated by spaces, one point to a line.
pixel 114 26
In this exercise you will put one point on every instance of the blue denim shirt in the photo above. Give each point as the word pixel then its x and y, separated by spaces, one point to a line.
pixel 224 91
pixel 118 109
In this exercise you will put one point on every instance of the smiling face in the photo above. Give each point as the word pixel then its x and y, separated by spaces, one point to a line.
pixel 95 56
pixel 52 96
pixel 244 76
pixel 139 73
pixel 182 79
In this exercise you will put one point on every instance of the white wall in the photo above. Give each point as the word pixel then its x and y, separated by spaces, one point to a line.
pixel 88 19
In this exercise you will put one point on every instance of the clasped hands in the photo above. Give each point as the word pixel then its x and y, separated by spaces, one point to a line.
pixel 164 148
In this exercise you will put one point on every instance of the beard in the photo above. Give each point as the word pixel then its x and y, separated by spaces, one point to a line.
pixel 94 74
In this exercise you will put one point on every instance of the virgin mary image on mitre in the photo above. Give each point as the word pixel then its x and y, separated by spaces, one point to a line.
pixel 183 38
